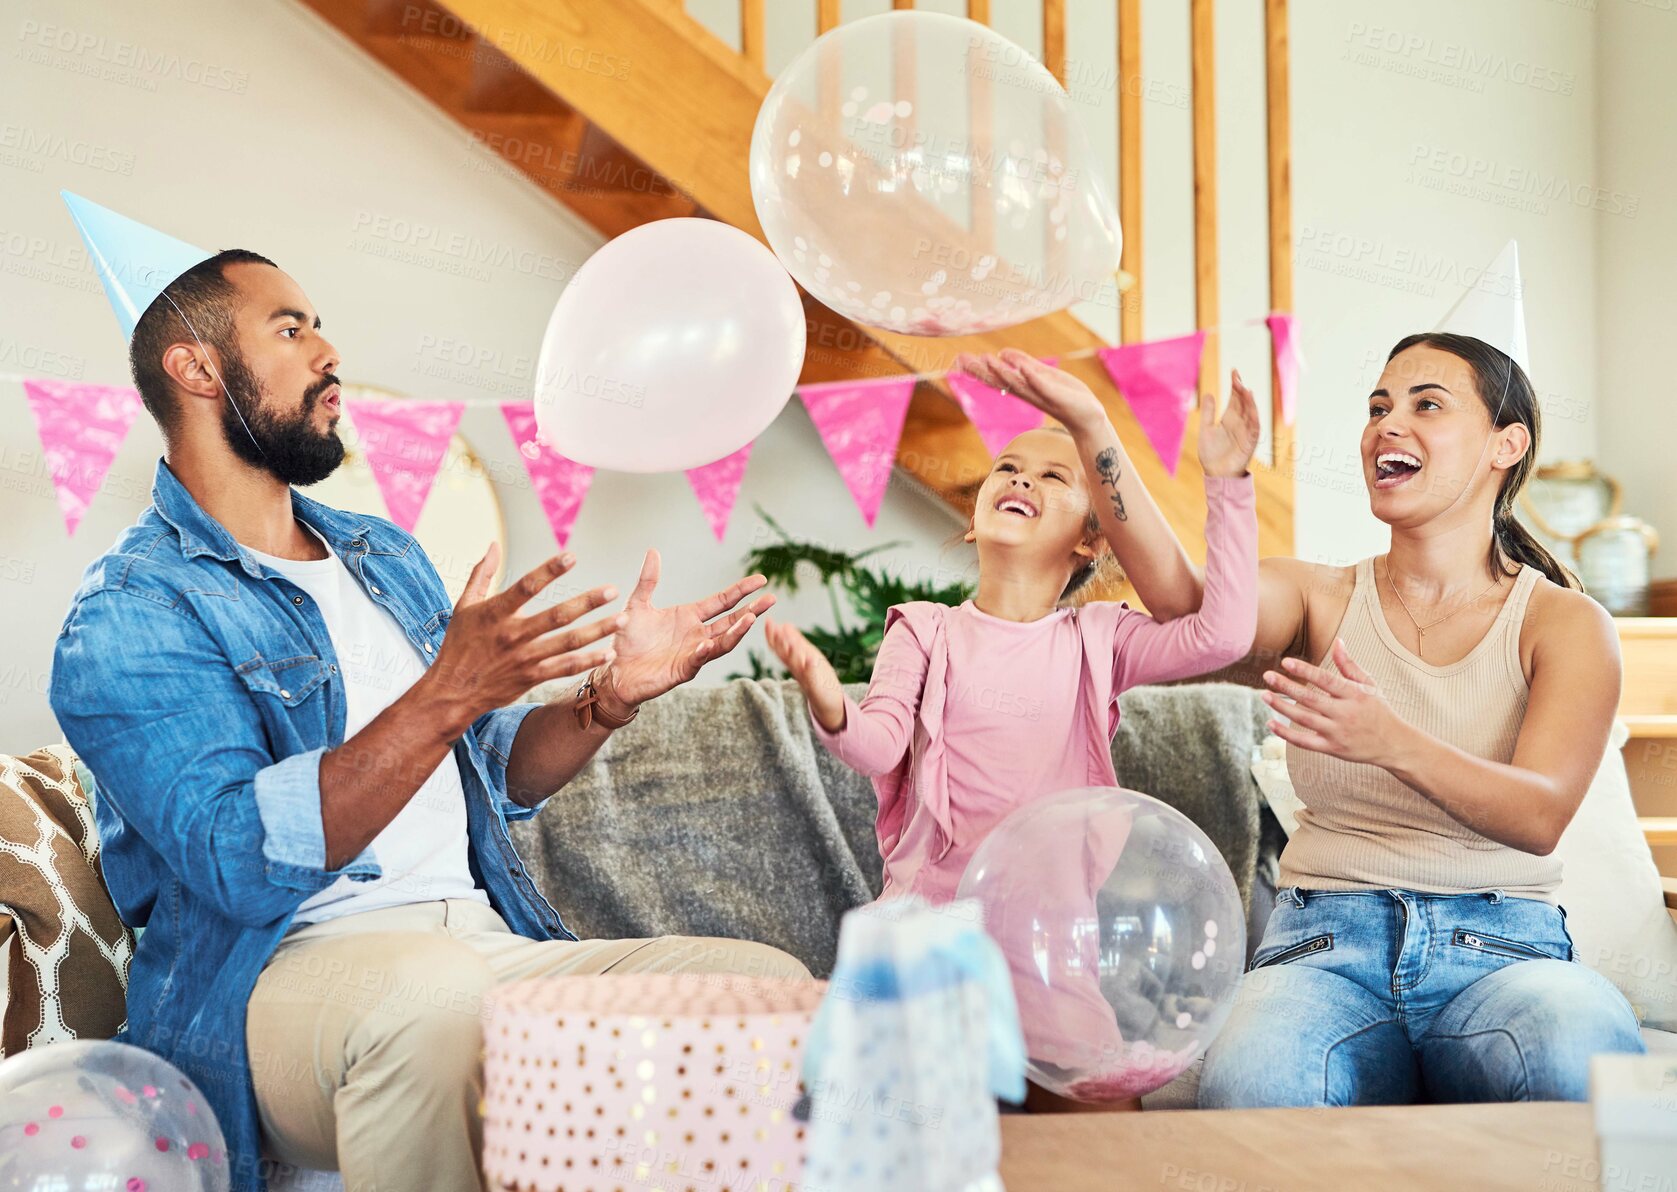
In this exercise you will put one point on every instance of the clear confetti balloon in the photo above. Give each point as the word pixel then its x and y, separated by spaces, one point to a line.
pixel 921 173
pixel 105 1117
pixel 1124 932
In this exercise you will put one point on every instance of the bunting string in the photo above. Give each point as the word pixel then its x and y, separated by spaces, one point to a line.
pixel 937 375
pixel 860 421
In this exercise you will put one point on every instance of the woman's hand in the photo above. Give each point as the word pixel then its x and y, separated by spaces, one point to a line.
pixel 812 671
pixel 1227 444
pixel 1342 715
pixel 1052 390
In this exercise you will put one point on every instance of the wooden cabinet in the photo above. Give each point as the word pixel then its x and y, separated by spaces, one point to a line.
pixel 1648 706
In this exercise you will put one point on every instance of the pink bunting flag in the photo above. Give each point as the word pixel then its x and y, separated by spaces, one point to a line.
pixel 405 442
pixel 998 416
pixel 717 485
pixel 82 427
pixel 560 483
pixel 1159 380
pixel 860 424
pixel 1283 331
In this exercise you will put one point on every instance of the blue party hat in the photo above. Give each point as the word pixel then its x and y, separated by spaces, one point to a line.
pixel 135 263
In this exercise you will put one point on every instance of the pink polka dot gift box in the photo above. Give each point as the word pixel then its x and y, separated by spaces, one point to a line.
pixel 663 1081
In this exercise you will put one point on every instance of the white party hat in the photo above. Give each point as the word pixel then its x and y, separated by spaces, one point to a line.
pixel 1493 309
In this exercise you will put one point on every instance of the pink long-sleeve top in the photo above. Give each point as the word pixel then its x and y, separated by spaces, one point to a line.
pixel 969 717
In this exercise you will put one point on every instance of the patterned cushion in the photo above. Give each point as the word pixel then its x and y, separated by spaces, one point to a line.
pixel 66 951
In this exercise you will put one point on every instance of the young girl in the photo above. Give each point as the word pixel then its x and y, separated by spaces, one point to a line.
pixel 976 711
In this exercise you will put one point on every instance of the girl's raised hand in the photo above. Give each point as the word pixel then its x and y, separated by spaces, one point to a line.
pixel 1052 390
pixel 1227 444
pixel 811 669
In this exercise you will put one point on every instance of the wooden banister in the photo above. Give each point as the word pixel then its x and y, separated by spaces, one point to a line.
pixel 1054 133
pixel 981 214
pixel 751 31
pixel 1203 75
pixel 1129 166
pixel 1279 104
pixel 1054 38
pixel 903 70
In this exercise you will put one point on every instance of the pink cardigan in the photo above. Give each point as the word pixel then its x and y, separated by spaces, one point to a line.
pixel 895 735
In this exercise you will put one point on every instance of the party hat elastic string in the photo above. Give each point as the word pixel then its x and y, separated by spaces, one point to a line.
pixel 207 363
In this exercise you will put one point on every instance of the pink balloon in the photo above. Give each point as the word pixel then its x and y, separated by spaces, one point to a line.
pixel 673 346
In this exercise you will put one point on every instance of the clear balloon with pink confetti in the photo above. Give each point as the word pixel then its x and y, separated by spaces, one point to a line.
pixel 86 1115
pixel 921 173
pixel 1124 933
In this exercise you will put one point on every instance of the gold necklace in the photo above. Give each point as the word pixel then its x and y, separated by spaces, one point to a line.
pixel 1421 630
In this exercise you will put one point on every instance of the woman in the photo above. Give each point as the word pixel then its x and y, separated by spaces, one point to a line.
pixel 1459 707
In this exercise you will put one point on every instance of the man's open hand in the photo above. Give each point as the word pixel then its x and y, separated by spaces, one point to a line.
pixel 492 654
pixel 661 648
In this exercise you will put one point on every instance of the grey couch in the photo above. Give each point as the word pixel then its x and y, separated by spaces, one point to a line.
pixel 718 814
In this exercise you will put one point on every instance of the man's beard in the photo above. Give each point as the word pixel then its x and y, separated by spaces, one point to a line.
pixel 289 447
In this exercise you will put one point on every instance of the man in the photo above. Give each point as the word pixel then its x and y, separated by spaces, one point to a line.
pixel 306 760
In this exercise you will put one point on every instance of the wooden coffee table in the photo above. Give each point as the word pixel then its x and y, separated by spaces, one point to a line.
pixel 1544 1147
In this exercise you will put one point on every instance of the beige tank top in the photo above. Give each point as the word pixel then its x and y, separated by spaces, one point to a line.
pixel 1362 829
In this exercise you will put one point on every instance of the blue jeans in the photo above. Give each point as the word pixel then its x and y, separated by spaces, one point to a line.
pixel 1389 997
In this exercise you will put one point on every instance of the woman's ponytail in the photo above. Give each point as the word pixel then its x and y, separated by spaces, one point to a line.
pixel 1512 542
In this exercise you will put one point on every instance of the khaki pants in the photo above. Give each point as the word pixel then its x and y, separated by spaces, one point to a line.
pixel 366 1033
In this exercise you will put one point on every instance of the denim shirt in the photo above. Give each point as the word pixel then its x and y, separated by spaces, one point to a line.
pixel 201 689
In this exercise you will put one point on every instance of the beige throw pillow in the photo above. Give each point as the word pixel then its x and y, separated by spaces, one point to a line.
pixel 66 954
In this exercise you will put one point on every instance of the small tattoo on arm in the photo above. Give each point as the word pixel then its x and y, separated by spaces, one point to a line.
pixel 1106 467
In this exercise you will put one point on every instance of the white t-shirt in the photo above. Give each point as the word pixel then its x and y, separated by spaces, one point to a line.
pixel 423 850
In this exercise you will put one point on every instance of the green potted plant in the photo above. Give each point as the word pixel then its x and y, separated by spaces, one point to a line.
pixel 868 591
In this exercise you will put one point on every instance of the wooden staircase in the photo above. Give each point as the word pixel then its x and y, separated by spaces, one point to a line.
pixel 627 111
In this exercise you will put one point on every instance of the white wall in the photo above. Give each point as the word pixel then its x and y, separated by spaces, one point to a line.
pixel 1637 158
pixel 301 158
pixel 1426 134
